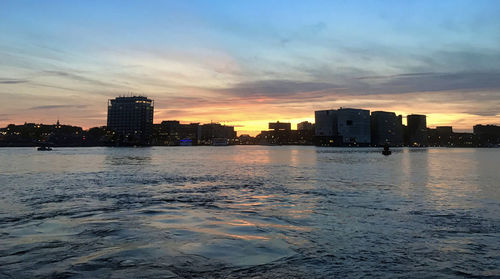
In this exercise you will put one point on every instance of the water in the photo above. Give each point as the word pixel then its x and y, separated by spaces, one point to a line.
pixel 249 211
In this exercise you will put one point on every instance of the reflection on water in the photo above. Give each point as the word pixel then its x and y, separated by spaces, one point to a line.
pixel 249 211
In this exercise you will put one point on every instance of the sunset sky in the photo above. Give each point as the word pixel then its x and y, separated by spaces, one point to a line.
pixel 246 63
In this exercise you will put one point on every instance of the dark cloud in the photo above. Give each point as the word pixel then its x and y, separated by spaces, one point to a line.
pixel 277 88
pixel 57 107
pixel 462 86
pixel 482 112
pixel 427 82
pixel 394 76
pixel 12 81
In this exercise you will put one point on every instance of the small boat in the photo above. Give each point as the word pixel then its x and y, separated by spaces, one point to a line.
pixel 44 148
pixel 386 151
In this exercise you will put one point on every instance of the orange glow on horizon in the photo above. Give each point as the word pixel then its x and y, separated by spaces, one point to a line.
pixel 459 121
pixel 249 115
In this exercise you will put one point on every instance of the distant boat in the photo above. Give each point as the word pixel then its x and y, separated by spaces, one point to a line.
pixel 44 148
pixel 386 151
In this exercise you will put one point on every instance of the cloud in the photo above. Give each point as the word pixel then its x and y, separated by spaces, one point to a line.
pixel 12 81
pixel 77 77
pixel 276 88
pixel 426 82
pixel 304 33
pixel 394 76
pixel 57 107
pixel 460 86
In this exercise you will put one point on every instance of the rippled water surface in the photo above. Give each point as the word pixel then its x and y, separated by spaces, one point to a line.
pixel 249 211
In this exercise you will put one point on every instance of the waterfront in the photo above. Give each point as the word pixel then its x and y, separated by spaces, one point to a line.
pixel 249 211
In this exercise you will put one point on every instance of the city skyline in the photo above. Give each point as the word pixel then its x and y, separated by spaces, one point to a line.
pixel 249 63
pixel 270 121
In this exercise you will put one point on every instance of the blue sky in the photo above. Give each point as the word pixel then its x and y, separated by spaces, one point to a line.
pixel 249 62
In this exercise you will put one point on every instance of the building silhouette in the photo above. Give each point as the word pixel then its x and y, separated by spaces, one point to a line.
pixel 386 128
pixel 32 134
pixel 305 125
pixel 305 132
pixel 281 133
pixel 354 126
pixel 417 130
pixel 131 119
pixel 445 135
pixel 172 132
pixel 488 135
pixel 345 126
pixel 217 134
pixel 278 133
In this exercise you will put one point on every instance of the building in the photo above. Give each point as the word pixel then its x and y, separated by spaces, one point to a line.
pixel 325 123
pixel 305 133
pixel 325 128
pixel 487 135
pixel 386 128
pixel 441 136
pixel 354 126
pixel 280 126
pixel 131 119
pixel 280 132
pixel 417 130
pixel 445 135
pixel 215 132
pixel 172 132
pixel 345 126
pixel 305 125
pixel 32 134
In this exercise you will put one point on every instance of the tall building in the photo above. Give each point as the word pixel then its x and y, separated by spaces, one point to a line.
pixel 345 126
pixel 386 128
pixel 131 118
pixel 417 130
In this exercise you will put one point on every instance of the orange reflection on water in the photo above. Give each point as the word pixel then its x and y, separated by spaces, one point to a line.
pixel 249 204
pixel 262 196
pixel 242 223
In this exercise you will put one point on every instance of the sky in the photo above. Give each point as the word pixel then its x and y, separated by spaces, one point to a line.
pixel 247 63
